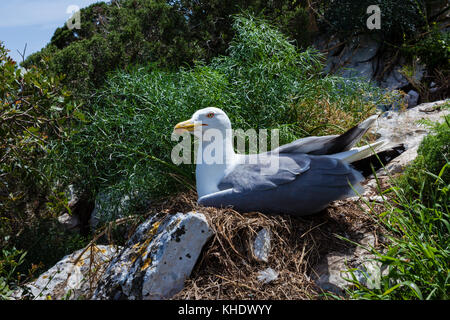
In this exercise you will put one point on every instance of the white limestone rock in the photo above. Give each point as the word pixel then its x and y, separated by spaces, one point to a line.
pixel 70 279
pixel 157 259
pixel 335 270
pixel 405 128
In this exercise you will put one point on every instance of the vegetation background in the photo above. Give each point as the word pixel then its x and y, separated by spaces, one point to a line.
pixel 95 108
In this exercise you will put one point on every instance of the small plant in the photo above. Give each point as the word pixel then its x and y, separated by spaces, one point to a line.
pixel 9 279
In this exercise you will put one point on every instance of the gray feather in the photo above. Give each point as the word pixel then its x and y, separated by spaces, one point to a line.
pixel 248 176
pixel 311 190
pixel 327 145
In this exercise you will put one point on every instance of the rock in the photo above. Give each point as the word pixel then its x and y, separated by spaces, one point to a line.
pixel 330 273
pixel 261 245
pixel 72 196
pixel 378 199
pixel 370 273
pixel 335 271
pixel 67 280
pixel 267 275
pixel 355 59
pixel 395 80
pixel 412 98
pixel 69 222
pixel 157 259
pixel 404 128
pixel 434 90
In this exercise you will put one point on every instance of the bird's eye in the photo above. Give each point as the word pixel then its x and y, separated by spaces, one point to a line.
pixel 210 115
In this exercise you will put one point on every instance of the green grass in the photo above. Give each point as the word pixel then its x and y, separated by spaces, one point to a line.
pixel 417 224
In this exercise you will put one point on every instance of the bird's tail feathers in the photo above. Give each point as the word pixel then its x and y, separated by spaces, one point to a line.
pixel 356 154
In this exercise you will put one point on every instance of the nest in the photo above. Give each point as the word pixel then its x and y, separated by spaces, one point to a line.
pixel 228 269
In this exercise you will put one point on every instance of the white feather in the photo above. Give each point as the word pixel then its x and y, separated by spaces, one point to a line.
pixel 356 154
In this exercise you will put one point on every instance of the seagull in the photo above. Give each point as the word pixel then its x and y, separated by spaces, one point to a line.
pixel 299 178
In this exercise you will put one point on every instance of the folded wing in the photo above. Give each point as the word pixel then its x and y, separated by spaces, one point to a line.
pixel 303 188
pixel 265 171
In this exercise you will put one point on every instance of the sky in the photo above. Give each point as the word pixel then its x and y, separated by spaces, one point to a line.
pixel 33 22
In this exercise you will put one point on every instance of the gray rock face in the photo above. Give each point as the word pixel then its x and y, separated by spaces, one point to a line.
pixel 357 58
pixel 412 98
pixel 70 280
pixel 69 222
pixel 157 259
pixel 404 128
pixel 336 268
pixel 394 80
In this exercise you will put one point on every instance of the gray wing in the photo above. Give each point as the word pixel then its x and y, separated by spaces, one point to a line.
pixel 327 145
pixel 317 145
pixel 255 174
pixel 311 190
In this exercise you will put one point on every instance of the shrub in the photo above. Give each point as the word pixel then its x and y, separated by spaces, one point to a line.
pixel 400 18
pixel 36 112
pixel 9 261
pixel 434 50
pixel 166 33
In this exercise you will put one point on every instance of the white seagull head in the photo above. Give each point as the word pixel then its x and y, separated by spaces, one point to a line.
pixel 204 119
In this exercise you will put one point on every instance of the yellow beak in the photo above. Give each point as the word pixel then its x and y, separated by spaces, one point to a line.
pixel 187 125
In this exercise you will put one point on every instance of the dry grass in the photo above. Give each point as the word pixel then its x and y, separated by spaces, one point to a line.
pixel 227 268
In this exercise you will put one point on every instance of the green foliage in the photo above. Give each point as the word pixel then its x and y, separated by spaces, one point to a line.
pixel 166 33
pixel 126 143
pixel 115 36
pixel 433 50
pixel 400 18
pixel 9 261
pixel 418 227
pixel 421 177
pixel 46 243
pixel 418 252
pixel 36 112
